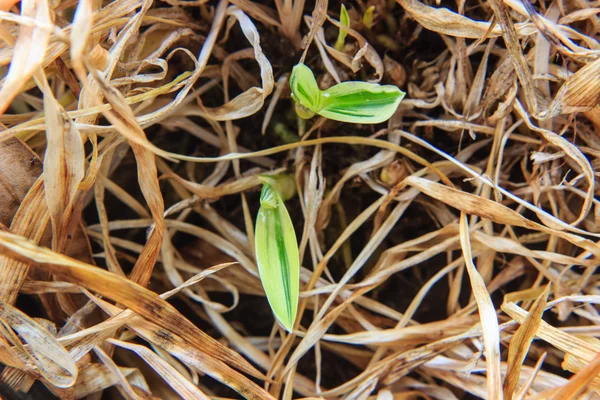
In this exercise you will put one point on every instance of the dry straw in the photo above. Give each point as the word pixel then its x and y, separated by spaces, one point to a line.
pixel 450 254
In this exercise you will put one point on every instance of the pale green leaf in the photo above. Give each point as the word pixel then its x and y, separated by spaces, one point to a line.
pixel 283 184
pixel 360 102
pixel 356 102
pixel 345 21
pixel 277 256
pixel 369 17
pixel 305 90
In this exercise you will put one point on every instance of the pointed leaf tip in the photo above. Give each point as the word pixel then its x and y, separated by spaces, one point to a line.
pixel 277 256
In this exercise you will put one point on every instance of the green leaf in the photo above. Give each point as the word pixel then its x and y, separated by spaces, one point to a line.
pixel 305 90
pixel 360 102
pixel 356 102
pixel 277 256
pixel 345 21
pixel 283 184
pixel 369 18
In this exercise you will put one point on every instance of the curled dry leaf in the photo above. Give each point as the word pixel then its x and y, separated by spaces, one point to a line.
pixel 447 22
pixel 251 100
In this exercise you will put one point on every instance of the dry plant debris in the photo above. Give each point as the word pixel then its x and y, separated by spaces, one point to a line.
pixel 448 254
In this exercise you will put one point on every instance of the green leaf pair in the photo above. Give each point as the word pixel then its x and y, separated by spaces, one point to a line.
pixel 355 102
pixel 277 255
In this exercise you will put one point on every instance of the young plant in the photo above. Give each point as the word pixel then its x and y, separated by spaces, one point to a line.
pixel 345 21
pixel 356 102
pixel 277 252
pixel 369 17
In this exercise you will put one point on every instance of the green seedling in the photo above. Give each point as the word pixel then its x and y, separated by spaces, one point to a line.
pixel 355 102
pixel 345 21
pixel 277 251
pixel 284 133
pixel 369 17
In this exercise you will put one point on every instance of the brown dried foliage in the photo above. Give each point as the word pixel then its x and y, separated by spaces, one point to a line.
pixel 452 254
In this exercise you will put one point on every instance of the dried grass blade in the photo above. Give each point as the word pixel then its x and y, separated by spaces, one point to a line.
pixel 290 14
pixel 412 334
pixel 579 383
pixel 521 342
pixel 64 164
pixel 13 354
pixel 579 15
pixel 95 377
pixel 124 118
pixel 191 356
pixel 504 245
pixel 520 395
pixel 148 179
pixel 366 50
pixel 259 12
pixel 182 386
pixel 29 49
pixel 252 100
pixel 570 344
pixel 144 302
pixel 80 32
pixel 31 221
pixel 493 211
pixel 573 152
pixel 51 359
pixel 280 86
pixel 580 92
pixel 214 192
pixel 444 21
pixel 509 34
pixel 125 387
pixel 319 15
pixel 487 314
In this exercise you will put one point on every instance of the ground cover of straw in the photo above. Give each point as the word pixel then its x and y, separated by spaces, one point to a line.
pixel 449 253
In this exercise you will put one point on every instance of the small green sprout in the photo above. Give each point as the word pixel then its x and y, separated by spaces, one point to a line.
pixel 284 133
pixel 277 251
pixel 345 21
pixel 355 102
pixel 368 17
